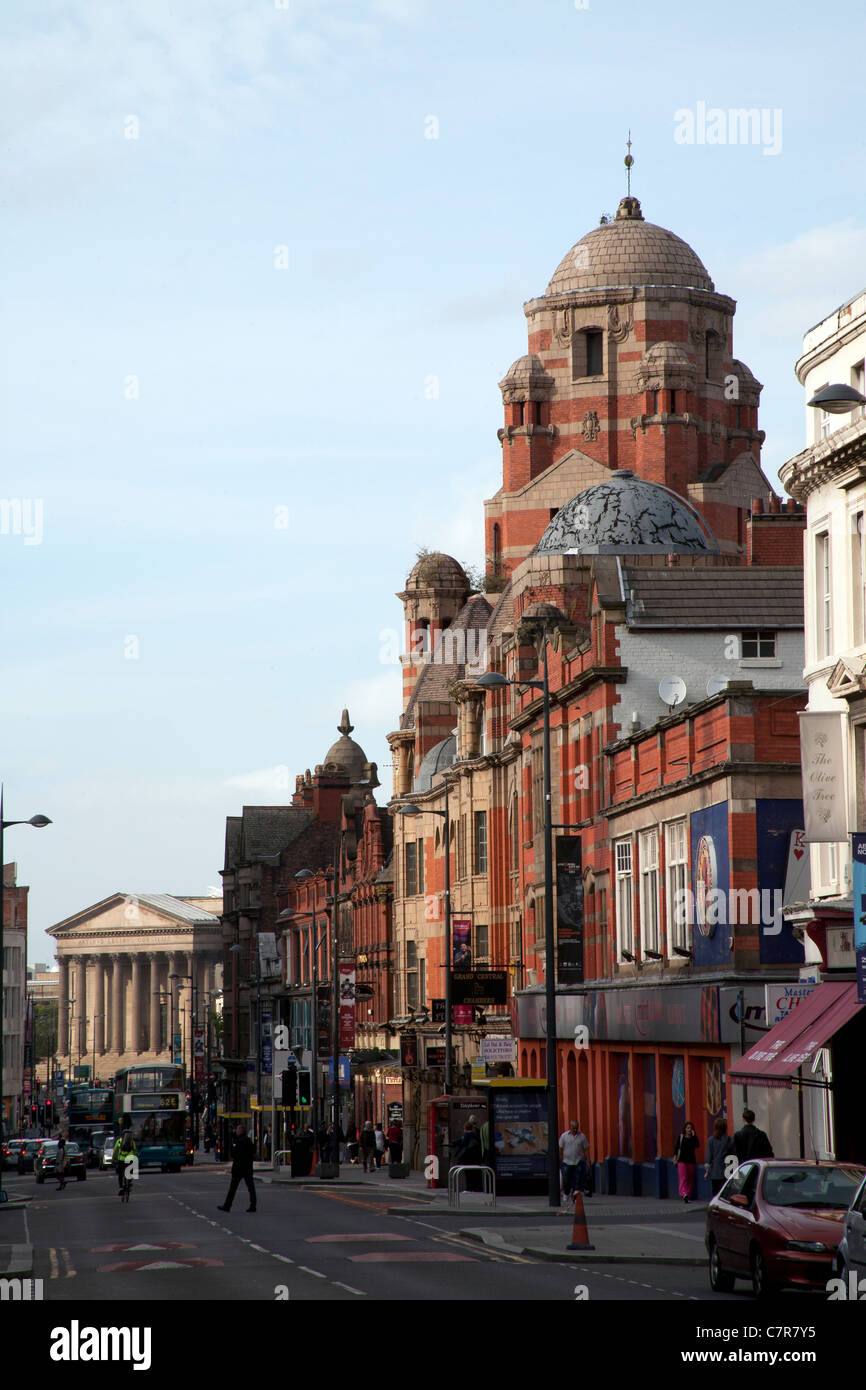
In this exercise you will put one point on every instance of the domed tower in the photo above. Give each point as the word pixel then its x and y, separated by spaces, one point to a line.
pixel 630 365
pixel 435 592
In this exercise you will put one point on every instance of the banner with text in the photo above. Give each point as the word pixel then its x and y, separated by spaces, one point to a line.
pixel 821 754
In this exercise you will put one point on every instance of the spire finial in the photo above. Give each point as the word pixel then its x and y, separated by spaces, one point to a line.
pixel 628 161
pixel 344 727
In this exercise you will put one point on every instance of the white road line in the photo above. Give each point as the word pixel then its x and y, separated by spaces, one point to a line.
pixel 312 1271
pixel 261 1249
pixel 348 1288
pixel 285 1259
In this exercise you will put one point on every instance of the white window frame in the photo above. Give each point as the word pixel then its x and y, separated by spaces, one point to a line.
pixel 823 595
pixel 676 884
pixel 624 874
pixel 650 924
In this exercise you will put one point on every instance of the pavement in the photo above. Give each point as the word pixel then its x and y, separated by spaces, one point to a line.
pixel 621 1229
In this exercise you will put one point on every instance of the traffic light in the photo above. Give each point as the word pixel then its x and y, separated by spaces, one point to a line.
pixel 303 1088
pixel 290 1086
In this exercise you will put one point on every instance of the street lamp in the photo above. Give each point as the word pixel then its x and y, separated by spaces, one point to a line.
pixel 837 399
pixel 492 680
pixel 412 810
pixel 38 822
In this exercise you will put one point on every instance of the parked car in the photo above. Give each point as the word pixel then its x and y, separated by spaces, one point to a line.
pixel 46 1161
pixel 107 1151
pixel 9 1153
pixel 95 1147
pixel 778 1223
pixel 851 1255
pixel 27 1154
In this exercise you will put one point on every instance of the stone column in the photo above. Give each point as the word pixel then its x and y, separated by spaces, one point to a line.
pixel 137 979
pixel 63 1007
pixel 117 1004
pixel 153 1030
pixel 99 1005
pixel 81 1008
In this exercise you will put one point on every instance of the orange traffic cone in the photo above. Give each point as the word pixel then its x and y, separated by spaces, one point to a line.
pixel 579 1231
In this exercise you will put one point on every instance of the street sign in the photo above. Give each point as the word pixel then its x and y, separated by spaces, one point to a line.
pixel 499 1050
pixel 479 987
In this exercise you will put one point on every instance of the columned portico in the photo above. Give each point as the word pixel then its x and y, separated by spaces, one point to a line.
pixel 81 1007
pixel 135 1040
pixel 153 1041
pixel 63 1009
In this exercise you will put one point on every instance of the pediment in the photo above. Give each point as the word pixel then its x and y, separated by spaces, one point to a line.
pixel 129 914
pixel 847 680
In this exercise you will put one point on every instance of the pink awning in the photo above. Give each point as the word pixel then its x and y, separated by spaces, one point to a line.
pixel 791 1044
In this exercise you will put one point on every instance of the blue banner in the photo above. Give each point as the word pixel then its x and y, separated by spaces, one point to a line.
pixel 345 1071
pixel 267 1040
pixel 858 877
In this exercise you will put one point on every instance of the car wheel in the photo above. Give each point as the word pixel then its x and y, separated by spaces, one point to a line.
pixel 720 1280
pixel 761 1285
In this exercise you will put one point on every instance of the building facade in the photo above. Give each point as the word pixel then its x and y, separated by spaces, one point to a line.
pixel 636 544
pixel 16 1077
pixel 138 973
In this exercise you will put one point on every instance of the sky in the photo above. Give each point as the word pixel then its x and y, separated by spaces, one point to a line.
pixel 264 264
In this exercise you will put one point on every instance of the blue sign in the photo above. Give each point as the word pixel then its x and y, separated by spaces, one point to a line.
pixel 345 1071
pixel 176 1054
pixel 858 876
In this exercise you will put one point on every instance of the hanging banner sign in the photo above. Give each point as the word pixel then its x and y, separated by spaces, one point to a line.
pixel 569 910
pixel 821 755
pixel 198 1054
pixel 461 943
pixel 347 1005
pixel 858 895
pixel 267 1061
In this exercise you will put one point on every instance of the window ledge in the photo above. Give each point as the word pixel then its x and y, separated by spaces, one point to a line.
pixel 751 662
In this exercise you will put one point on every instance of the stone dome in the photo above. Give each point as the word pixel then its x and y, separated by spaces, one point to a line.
pixel 440 756
pixel 627 516
pixel 346 753
pixel 437 571
pixel 629 251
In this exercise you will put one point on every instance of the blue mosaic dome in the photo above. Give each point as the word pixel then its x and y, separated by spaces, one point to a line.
pixel 625 515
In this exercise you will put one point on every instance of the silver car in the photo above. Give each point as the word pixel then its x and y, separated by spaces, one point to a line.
pixel 851 1255
pixel 107 1151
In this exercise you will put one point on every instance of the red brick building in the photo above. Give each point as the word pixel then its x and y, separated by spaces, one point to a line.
pixel 636 535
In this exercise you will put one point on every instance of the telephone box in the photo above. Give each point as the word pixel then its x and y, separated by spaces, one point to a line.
pixel 446 1121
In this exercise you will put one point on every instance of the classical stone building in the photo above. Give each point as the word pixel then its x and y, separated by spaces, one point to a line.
pixel 132 971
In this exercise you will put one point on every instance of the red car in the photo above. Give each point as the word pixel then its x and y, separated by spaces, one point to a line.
pixel 778 1222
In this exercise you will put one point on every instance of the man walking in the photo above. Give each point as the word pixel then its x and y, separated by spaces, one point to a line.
pixel 751 1142
pixel 243 1155
pixel 573 1149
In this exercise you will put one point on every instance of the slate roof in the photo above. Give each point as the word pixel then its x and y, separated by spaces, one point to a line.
pixel 176 907
pixel 629 251
pixel 438 676
pixel 731 597
pixel 264 832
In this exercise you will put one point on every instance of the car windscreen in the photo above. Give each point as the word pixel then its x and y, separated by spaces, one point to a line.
pixel 811 1187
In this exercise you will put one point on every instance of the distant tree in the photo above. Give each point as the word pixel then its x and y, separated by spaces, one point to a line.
pixel 44 1030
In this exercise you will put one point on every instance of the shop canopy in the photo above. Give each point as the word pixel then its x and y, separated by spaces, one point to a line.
pixel 775 1060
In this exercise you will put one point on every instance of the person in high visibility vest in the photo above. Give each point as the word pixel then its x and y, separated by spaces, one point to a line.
pixel 124 1149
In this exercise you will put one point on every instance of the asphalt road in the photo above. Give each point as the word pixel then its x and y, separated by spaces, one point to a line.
pixel 171 1242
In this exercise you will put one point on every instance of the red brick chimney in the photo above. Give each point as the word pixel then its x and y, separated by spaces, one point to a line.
pixel 775 536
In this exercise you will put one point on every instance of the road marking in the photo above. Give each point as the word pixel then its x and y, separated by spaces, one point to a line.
pixel 139 1266
pixel 261 1249
pixel 348 1288
pixel 52 1260
pixel 285 1259
pixel 351 1201
pixel 70 1272
pixel 337 1240
pixel 312 1271
pixel 413 1257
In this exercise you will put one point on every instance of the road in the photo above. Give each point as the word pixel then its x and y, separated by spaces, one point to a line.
pixel 171 1242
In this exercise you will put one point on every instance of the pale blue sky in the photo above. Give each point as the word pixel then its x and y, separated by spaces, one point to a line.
pixel 408 258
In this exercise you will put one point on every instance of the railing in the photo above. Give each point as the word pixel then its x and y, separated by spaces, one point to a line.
pixel 454 1189
pixel 284 1154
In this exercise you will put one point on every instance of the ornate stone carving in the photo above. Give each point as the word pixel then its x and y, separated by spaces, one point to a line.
pixel 590 426
pixel 716 429
pixel 637 422
pixel 563 326
pixel 619 327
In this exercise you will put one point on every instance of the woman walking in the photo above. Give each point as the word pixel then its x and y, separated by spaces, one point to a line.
pixel 60 1164
pixel 720 1147
pixel 685 1155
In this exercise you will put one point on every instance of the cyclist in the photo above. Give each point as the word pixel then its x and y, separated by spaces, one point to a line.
pixel 124 1150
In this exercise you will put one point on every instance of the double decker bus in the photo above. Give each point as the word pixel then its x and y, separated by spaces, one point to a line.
pixel 89 1114
pixel 150 1100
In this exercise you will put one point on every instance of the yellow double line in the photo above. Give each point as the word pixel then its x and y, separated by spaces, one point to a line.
pixel 55 1263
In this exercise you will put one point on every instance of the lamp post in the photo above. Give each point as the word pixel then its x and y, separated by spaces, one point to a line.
pixel 38 822
pixel 492 680
pixel 837 399
pixel 96 1017
pixel 193 1012
pixel 412 810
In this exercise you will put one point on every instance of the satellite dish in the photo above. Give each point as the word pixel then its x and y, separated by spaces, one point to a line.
pixel 715 685
pixel 672 690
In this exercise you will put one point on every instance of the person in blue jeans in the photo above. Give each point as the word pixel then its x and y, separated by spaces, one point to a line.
pixel 573 1151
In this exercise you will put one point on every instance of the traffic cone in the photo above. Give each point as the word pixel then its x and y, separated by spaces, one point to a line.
pixel 579 1231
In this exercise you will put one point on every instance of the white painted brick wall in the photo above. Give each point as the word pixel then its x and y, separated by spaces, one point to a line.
pixel 695 656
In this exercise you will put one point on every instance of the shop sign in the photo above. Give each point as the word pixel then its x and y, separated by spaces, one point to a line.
pixel 821 754
pixel 495 1050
